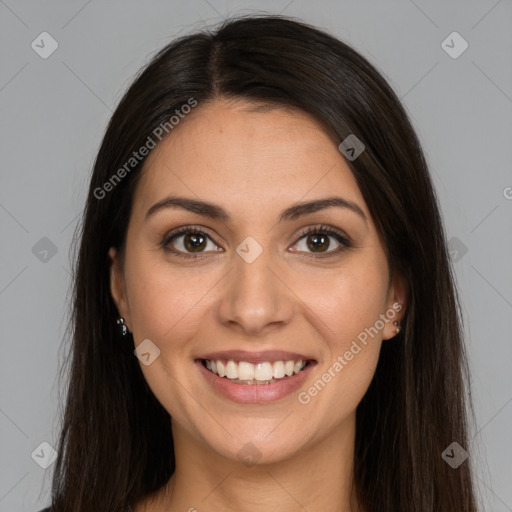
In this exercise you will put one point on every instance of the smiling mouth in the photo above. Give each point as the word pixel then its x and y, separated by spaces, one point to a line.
pixel 242 372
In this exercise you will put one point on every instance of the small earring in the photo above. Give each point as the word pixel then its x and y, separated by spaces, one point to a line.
pixel 124 329
pixel 397 324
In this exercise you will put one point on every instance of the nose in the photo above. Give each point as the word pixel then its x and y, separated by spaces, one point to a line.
pixel 255 296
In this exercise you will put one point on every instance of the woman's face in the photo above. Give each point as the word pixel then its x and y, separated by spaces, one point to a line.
pixel 258 285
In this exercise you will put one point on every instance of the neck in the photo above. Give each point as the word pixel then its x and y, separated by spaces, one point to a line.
pixel 317 478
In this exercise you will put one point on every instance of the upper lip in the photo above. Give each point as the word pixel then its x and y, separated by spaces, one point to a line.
pixel 256 357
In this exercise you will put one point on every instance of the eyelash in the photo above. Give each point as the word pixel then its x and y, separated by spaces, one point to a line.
pixel 318 230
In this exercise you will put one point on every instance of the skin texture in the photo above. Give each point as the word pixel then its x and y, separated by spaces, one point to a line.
pixel 254 164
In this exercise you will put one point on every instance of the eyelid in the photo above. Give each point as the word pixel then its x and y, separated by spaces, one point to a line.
pixel 343 239
pixel 323 228
pixel 184 230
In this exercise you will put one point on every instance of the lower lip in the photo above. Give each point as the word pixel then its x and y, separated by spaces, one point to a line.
pixel 255 393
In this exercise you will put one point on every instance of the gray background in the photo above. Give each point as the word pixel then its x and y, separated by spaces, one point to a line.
pixel 54 112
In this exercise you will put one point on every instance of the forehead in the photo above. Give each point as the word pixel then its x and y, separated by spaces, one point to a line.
pixel 246 156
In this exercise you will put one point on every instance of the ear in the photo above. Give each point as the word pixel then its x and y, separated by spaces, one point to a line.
pixel 117 287
pixel 396 305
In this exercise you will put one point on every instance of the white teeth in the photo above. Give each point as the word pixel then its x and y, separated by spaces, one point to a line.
pixel 245 371
pixel 232 370
pixel 289 366
pixel 278 368
pixel 261 373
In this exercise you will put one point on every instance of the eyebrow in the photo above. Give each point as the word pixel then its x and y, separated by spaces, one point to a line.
pixel 216 212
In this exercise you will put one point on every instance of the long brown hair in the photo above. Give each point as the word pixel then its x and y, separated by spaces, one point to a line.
pixel 116 444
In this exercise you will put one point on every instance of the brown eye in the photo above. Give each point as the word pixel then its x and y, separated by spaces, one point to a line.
pixel 193 242
pixel 317 240
pixel 189 242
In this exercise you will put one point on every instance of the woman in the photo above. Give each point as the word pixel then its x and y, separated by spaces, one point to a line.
pixel 264 311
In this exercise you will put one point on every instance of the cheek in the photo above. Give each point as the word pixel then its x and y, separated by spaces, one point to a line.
pixel 347 311
pixel 348 302
pixel 164 309
pixel 340 386
pixel 162 299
